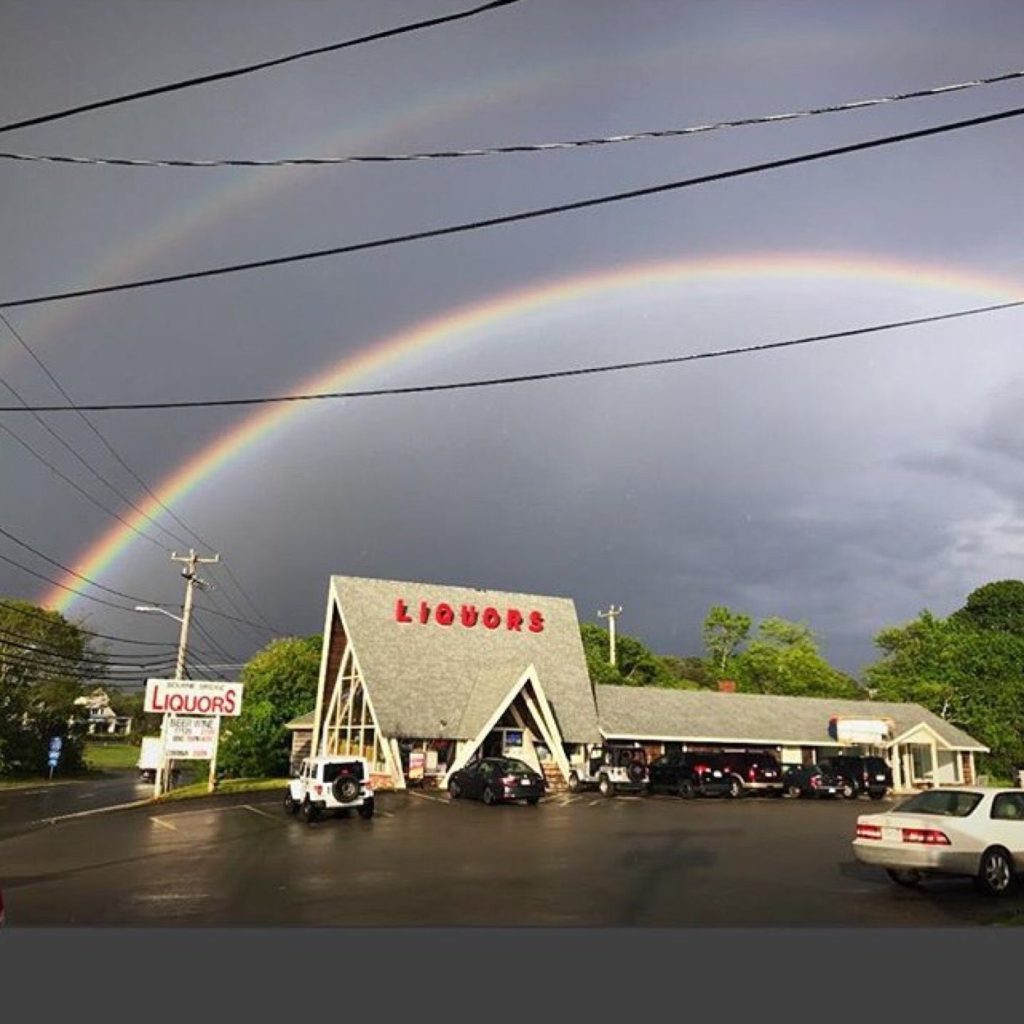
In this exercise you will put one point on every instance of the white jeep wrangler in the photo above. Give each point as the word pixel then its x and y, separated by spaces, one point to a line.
pixel 332 783
pixel 610 769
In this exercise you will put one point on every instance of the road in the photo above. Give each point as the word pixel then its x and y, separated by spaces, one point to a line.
pixel 24 809
pixel 572 861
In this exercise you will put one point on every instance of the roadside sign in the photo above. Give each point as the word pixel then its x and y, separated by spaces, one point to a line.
pixel 55 745
pixel 53 758
pixel 190 738
pixel 192 697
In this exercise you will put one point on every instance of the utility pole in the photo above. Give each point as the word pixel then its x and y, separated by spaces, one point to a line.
pixel 610 615
pixel 190 561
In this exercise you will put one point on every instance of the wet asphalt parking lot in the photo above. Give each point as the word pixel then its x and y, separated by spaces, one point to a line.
pixel 574 860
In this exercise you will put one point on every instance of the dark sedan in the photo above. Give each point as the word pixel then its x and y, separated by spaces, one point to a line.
pixel 807 780
pixel 496 780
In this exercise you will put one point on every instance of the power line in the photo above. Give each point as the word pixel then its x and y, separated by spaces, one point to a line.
pixel 219 76
pixel 526 378
pixel 33 613
pixel 11 639
pixel 71 483
pixel 536 147
pixel 71 572
pixel 525 215
pixel 110 448
pixel 245 595
pixel 64 586
pixel 81 458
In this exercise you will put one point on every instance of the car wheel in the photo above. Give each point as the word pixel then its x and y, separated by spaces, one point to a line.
pixel 454 790
pixel 606 786
pixel 366 811
pixel 906 877
pixel 686 790
pixel 876 794
pixel 574 782
pixel 995 873
pixel 310 811
pixel 794 791
pixel 533 800
pixel 488 795
pixel 735 788
pixel 849 791
pixel 289 803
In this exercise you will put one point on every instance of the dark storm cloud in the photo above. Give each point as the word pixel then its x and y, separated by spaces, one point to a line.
pixel 849 487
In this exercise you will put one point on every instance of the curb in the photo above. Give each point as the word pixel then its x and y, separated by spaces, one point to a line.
pixel 94 810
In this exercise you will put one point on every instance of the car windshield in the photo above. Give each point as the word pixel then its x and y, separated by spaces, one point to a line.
pixel 946 802
pixel 513 767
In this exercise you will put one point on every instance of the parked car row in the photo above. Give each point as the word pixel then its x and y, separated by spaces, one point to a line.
pixel 729 773
pixel 341 784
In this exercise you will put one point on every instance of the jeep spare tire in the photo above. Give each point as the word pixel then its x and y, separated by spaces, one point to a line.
pixel 345 789
pixel 635 771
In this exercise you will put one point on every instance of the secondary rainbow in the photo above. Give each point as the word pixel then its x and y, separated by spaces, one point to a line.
pixel 470 323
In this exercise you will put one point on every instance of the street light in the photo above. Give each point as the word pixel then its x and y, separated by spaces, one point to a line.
pixel 162 611
pixel 163 774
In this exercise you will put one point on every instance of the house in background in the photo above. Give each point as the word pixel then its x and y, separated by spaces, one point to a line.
pixel 101 717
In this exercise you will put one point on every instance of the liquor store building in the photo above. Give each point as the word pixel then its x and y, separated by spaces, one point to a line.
pixel 421 678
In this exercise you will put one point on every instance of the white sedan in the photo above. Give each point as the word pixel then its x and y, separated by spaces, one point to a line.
pixel 965 830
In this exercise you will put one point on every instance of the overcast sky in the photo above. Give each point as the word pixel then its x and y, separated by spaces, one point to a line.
pixel 847 485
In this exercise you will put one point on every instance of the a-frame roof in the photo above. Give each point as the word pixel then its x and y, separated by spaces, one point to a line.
pixel 434 680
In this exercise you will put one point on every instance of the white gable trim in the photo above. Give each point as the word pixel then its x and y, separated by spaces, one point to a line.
pixel 922 727
pixel 552 738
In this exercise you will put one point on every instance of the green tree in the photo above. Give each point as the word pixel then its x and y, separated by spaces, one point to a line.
pixel 43 660
pixel 636 664
pixel 723 632
pixel 689 672
pixel 280 684
pixel 997 606
pixel 969 674
pixel 784 658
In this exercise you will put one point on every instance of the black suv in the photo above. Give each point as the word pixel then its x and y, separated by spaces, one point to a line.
pixel 755 771
pixel 869 775
pixel 689 775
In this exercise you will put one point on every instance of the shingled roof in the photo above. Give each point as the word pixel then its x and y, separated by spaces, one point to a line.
pixel 431 680
pixel 692 716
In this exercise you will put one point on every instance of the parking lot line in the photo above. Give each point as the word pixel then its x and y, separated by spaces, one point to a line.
pixel 264 814
pixel 426 796
pixel 163 824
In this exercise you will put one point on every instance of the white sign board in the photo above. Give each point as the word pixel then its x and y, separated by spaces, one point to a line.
pixel 192 697
pixel 862 730
pixel 192 738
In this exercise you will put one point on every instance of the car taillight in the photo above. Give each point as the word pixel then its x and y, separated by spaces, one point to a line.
pixel 927 836
pixel 509 780
pixel 869 831
pixel 318 789
pixel 815 781
pixel 751 774
pixel 700 768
